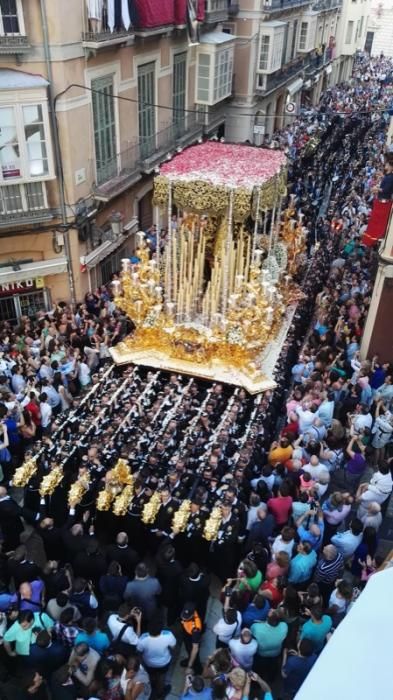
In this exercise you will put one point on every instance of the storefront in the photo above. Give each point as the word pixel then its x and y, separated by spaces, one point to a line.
pixel 24 290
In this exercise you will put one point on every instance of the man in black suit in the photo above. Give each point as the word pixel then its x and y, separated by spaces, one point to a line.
pixel 21 569
pixel 123 554
pixel 10 521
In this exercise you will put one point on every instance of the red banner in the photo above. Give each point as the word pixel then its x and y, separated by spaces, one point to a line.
pixel 377 223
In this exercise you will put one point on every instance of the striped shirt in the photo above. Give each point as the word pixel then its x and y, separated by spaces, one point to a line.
pixel 328 571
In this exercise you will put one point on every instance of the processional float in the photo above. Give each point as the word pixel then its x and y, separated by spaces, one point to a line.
pixel 213 300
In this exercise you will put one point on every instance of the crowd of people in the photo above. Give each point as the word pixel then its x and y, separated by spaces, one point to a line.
pixel 99 606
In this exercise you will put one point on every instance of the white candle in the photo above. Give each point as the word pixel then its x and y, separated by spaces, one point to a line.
pixel 116 287
pixel 287 279
pixel 135 277
pixel 258 256
pixel 125 264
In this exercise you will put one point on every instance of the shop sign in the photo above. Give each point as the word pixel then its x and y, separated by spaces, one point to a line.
pixel 30 285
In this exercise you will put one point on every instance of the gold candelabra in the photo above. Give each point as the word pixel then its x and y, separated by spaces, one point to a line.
pixel 181 517
pixel 212 524
pixel 51 481
pixel 78 489
pixel 151 508
pixel 115 481
pixel 25 472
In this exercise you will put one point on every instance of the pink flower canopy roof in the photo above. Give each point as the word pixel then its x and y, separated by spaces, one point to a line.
pixel 222 164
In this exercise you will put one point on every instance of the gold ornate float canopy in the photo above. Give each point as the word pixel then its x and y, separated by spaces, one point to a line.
pixel 202 177
pixel 213 303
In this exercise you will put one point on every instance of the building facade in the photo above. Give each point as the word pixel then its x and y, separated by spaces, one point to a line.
pixel 93 97
pixel 379 38
pixel 287 52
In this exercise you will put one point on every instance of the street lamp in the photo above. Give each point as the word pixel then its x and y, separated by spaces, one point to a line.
pixel 116 222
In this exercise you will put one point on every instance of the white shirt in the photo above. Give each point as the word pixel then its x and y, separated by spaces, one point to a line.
pixel 243 653
pixel 156 651
pixel 141 677
pixel 46 414
pixel 226 632
pixel 280 546
pixel 361 422
pixel 306 418
pixel 317 471
pixel 115 627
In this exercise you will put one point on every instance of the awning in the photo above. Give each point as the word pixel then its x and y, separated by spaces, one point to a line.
pixel 295 86
pixel 106 248
pixel 41 268
pixel 11 79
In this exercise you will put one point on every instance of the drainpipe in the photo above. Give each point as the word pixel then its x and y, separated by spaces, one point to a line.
pixel 65 227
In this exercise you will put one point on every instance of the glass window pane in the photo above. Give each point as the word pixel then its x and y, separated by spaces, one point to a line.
pixel 9 15
pixel 104 126
pixel 9 147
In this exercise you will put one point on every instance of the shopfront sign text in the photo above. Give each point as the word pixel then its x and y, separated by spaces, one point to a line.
pixel 10 288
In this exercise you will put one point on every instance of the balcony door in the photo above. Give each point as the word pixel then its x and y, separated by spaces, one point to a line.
pixel 179 93
pixel 146 109
pixel 104 124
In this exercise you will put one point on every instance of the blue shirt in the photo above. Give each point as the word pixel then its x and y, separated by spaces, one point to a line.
pixel 296 670
pixel 346 542
pixel 254 614
pixel 316 633
pixel 307 536
pixel 98 641
pixel 301 567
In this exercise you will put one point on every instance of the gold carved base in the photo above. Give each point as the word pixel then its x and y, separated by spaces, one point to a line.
pixel 214 370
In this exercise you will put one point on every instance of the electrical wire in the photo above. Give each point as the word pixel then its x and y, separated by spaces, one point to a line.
pixel 196 111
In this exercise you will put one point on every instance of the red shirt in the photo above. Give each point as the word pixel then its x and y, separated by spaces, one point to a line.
pixel 280 508
pixel 277 596
pixel 34 411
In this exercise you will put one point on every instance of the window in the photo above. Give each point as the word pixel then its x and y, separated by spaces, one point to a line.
pixel 223 71
pixel 203 77
pixel 264 52
pixel 104 126
pixel 17 199
pixel 293 47
pixel 11 17
pixel 361 26
pixel 348 36
pixel 285 45
pixel 214 73
pixel 303 36
pixel 179 91
pixel 146 109
pixel 23 142
pixel 35 140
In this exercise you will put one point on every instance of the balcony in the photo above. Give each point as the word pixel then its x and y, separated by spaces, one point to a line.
pixel 99 35
pixel 180 134
pixel 323 5
pixel 14 44
pixel 313 63
pixel 24 204
pixel 125 169
pixel 210 118
pixel 282 5
pixel 117 174
pixel 275 80
pixel 216 11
